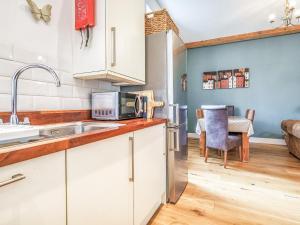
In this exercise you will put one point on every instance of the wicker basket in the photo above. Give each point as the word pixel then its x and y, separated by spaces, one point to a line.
pixel 159 21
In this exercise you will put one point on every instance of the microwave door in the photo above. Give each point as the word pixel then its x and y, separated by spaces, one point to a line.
pixel 127 105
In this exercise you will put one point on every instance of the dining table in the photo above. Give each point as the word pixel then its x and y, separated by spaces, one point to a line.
pixel 236 124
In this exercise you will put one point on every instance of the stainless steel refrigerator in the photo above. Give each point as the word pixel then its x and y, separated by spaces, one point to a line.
pixel 166 67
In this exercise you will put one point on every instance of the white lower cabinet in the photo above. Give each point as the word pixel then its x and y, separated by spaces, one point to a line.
pixel 98 186
pixel 39 198
pixel 117 181
pixel 149 172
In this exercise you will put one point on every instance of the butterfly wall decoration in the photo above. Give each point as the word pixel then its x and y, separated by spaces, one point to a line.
pixel 40 14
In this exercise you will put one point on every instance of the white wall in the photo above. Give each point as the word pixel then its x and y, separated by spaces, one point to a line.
pixel 153 5
pixel 23 40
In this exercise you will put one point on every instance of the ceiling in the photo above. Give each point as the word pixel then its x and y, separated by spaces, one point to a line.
pixel 206 19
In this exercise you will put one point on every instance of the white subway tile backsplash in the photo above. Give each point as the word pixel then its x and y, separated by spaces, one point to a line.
pixel 91 83
pixel 86 104
pixel 35 88
pixel 5 102
pixel 23 54
pixel 8 68
pixel 5 85
pixel 67 78
pixel 46 103
pixel 81 92
pixel 43 75
pixel 62 91
pixel 6 50
pixel 104 85
pixel 65 64
pixel 107 86
pixel 53 90
pixel 71 103
pixel 25 103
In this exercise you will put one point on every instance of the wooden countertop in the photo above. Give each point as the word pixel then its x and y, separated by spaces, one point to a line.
pixel 24 152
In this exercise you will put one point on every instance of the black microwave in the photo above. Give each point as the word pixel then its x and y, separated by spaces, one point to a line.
pixel 115 106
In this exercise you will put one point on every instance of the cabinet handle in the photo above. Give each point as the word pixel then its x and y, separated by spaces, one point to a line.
pixel 113 46
pixel 131 158
pixel 14 178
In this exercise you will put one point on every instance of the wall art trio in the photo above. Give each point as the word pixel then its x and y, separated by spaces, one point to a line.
pixel 226 79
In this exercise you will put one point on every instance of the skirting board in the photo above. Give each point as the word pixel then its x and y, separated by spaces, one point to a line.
pixel 271 141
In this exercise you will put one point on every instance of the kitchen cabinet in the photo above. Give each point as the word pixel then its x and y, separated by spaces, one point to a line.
pixel 117 46
pixel 149 172
pixel 120 180
pixel 38 193
pixel 98 185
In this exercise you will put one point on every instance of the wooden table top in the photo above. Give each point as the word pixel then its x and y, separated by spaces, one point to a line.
pixel 235 124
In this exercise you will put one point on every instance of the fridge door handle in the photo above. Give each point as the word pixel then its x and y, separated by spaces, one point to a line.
pixel 170 140
pixel 176 106
pixel 173 139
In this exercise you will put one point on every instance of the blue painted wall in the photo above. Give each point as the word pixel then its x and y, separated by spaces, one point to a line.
pixel 274 80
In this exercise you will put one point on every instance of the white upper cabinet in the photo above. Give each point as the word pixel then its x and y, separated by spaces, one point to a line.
pixel 92 58
pixel 126 33
pixel 35 192
pixel 117 46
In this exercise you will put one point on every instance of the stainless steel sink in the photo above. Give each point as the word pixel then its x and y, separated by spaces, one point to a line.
pixel 62 130
pixel 77 128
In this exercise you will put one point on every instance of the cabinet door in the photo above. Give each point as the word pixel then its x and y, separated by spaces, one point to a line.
pixel 98 187
pixel 149 173
pixel 39 198
pixel 91 58
pixel 126 37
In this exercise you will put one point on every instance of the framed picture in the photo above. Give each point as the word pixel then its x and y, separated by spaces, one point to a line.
pixel 241 78
pixel 210 80
pixel 226 79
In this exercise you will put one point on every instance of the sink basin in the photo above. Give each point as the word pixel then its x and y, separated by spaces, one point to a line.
pixel 76 128
pixel 34 134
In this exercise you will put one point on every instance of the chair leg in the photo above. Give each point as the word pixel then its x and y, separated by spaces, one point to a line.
pixel 240 153
pixel 225 159
pixel 206 154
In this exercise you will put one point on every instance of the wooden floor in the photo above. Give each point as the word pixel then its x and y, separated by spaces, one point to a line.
pixel 264 191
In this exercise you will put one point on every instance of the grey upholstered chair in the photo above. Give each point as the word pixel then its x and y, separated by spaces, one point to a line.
pixel 250 113
pixel 216 126
pixel 230 110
